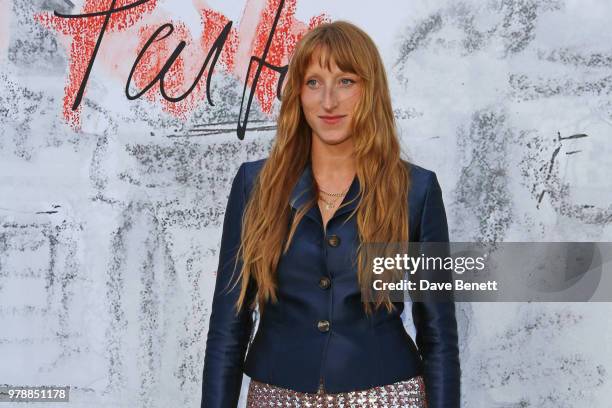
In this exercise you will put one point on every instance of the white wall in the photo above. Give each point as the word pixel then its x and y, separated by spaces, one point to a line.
pixel 109 229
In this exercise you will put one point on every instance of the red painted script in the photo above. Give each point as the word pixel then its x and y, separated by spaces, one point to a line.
pixel 133 36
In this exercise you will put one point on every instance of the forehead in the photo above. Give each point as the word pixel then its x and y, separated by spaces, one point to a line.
pixel 323 59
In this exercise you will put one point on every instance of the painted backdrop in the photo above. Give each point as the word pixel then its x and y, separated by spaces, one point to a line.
pixel 123 123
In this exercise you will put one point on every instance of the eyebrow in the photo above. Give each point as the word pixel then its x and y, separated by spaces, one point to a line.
pixel 340 73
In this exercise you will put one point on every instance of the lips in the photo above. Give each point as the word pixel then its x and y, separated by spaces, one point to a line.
pixel 331 120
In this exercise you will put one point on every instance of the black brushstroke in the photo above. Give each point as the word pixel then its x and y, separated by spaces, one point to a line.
pixel 112 10
pixel 107 15
pixel 261 62
pixel 554 155
pixel 577 136
pixel 227 122
pixel 209 132
pixel 213 53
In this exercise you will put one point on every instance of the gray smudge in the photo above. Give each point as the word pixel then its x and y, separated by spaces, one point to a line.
pixel 482 189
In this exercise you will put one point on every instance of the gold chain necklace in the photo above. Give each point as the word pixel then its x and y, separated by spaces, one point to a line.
pixel 334 194
pixel 329 205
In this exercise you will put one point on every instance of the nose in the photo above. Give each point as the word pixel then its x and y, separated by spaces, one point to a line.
pixel 330 98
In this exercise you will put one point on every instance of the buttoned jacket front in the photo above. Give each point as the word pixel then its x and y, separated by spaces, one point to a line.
pixel 318 330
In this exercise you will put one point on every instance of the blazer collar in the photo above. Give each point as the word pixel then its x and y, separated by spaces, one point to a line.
pixel 304 192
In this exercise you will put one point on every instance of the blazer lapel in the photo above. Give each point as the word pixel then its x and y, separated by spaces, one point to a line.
pixel 351 199
pixel 304 191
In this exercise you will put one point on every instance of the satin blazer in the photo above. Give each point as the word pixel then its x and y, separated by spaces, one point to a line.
pixel 318 331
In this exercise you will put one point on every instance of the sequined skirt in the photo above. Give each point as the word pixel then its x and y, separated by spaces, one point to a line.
pixel 405 394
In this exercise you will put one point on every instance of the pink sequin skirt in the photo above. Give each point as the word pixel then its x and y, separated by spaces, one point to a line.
pixel 405 394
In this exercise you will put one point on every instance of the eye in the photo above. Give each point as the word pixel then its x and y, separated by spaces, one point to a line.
pixel 311 83
pixel 347 81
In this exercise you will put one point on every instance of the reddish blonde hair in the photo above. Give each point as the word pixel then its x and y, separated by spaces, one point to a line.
pixel 382 210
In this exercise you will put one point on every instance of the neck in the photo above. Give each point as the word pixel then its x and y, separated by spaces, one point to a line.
pixel 333 166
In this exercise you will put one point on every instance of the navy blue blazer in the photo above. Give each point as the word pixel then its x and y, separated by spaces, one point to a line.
pixel 318 330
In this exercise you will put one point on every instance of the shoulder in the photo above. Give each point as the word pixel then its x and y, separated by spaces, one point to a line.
pixel 250 170
pixel 424 193
pixel 253 167
pixel 422 180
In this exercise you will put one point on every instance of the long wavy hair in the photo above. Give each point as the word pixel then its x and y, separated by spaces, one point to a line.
pixel 382 209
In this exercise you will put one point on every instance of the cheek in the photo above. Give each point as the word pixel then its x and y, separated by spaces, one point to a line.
pixel 309 102
pixel 352 100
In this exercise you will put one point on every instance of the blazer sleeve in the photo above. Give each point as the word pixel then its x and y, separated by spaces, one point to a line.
pixel 435 323
pixel 228 333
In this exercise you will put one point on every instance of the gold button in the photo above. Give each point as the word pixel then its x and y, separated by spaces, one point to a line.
pixel 324 282
pixel 323 326
pixel 333 241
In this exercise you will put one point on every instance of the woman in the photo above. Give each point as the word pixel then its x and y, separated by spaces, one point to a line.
pixel 291 238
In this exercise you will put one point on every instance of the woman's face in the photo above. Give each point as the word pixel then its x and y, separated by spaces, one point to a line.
pixel 329 98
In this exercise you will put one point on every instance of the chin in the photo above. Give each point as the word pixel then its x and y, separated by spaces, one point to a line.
pixel 334 138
